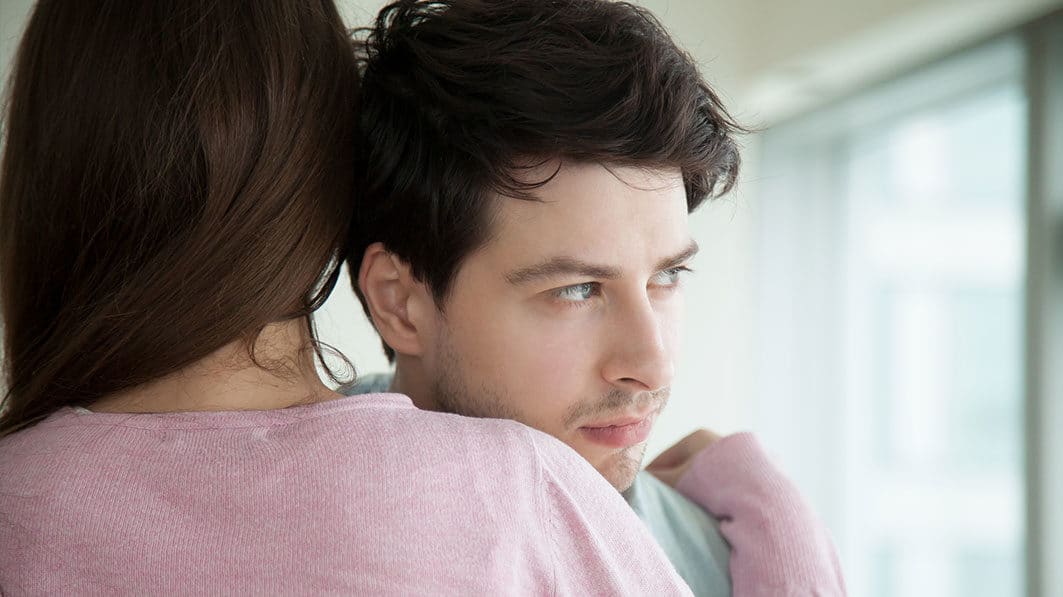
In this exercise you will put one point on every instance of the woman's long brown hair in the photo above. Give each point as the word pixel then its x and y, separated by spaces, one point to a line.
pixel 176 176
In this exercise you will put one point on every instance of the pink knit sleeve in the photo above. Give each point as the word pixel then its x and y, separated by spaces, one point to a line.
pixel 779 546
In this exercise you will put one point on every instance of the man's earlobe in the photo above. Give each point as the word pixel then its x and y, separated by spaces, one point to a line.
pixel 389 289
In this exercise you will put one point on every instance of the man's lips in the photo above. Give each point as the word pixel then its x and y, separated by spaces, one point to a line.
pixel 621 432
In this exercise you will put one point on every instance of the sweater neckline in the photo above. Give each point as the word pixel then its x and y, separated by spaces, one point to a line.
pixel 228 418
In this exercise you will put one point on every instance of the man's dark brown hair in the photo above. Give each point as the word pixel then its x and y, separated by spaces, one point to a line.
pixel 176 176
pixel 460 96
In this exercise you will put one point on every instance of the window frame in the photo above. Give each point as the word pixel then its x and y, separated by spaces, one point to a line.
pixel 1044 307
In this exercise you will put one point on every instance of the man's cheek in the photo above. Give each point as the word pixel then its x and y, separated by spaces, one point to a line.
pixel 671 326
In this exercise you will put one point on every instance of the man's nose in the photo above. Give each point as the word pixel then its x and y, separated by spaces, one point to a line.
pixel 640 359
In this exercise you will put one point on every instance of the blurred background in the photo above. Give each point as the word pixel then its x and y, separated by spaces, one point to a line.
pixel 881 298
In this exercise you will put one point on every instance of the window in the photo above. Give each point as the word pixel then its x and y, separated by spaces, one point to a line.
pixel 893 261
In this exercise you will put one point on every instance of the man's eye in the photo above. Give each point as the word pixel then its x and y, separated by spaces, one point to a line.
pixel 669 277
pixel 577 292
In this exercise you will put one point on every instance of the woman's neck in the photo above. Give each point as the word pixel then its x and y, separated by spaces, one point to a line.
pixel 229 380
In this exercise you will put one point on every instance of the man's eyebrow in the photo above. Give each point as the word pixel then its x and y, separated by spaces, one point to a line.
pixel 556 267
pixel 679 258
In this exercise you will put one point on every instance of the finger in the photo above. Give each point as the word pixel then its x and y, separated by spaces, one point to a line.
pixel 679 453
pixel 668 476
pixel 671 457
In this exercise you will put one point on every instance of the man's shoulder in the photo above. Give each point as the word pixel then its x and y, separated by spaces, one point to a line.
pixel 649 494
pixel 689 535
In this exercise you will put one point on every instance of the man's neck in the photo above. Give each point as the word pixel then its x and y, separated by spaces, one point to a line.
pixel 228 379
pixel 409 379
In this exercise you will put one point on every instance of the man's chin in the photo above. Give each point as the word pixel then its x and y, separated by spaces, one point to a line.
pixel 621 468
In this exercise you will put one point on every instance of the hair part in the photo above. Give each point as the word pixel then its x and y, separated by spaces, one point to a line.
pixel 460 96
pixel 176 177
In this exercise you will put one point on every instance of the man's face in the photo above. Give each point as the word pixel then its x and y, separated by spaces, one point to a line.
pixel 567 319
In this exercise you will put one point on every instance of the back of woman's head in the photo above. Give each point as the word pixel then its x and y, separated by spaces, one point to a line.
pixel 176 176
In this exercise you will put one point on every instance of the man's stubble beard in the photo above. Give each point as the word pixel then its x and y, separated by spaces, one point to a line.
pixel 453 394
pixel 622 468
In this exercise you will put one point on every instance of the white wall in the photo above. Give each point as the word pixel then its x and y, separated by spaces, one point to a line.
pixel 13 15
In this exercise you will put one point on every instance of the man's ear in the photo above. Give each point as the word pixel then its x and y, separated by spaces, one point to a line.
pixel 400 306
